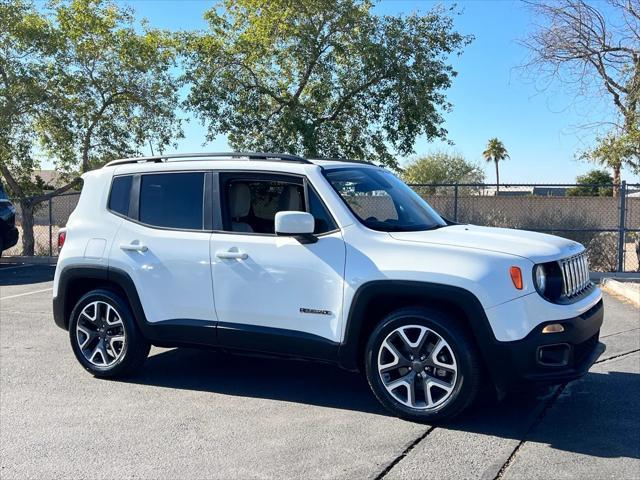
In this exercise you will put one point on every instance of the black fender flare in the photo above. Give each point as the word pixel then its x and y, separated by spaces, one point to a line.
pixel 474 317
pixel 172 332
pixel 61 310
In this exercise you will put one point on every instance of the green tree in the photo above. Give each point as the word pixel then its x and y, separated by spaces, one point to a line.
pixel 615 151
pixel 82 83
pixel 442 167
pixel 595 183
pixel 322 77
pixel 495 152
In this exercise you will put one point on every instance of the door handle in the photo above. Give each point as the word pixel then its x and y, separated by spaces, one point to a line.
pixel 230 254
pixel 133 247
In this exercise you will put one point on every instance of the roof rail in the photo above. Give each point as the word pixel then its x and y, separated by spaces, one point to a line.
pixel 283 157
pixel 346 160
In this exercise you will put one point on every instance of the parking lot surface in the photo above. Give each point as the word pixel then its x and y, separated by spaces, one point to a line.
pixel 205 414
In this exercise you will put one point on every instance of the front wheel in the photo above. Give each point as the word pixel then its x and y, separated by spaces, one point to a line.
pixel 104 336
pixel 422 365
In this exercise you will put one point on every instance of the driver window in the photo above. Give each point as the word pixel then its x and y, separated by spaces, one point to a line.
pixel 252 204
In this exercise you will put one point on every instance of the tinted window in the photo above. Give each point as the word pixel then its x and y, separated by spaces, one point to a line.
pixel 119 198
pixel 324 221
pixel 172 200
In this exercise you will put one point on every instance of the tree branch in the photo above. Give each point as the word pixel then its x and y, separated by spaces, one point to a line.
pixel 348 96
pixel 58 191
pixel 13 184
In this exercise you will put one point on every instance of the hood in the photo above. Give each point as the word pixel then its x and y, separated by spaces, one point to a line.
pixel 537 247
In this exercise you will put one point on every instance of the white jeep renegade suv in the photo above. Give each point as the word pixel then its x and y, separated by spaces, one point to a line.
pixel 320 259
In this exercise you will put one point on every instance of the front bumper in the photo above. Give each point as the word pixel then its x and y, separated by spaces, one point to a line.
pixel 551 358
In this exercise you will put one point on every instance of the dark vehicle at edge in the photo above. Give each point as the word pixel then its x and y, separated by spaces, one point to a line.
pixel 8 230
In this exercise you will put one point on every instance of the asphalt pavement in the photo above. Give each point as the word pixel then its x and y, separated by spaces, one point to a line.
pixel 205 414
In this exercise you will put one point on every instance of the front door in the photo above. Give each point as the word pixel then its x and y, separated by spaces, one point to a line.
pixel 275 293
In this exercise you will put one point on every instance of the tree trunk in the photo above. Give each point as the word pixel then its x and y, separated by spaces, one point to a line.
pixel 616 180
pixel 497 178
pixel 28 242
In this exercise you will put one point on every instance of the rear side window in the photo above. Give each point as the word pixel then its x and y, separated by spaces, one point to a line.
pixel 120 195
pixel 172 200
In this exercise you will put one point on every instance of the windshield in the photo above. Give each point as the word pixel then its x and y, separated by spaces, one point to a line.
pixel 383 202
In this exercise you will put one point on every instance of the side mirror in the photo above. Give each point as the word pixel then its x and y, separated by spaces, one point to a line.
pixel 296 224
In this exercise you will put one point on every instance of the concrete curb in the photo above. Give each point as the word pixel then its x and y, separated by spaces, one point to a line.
pixel 30 260
pixel 621 289
pixel 619 276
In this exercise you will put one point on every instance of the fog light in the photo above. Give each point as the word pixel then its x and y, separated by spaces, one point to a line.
pixel 553 328
pixel 554 355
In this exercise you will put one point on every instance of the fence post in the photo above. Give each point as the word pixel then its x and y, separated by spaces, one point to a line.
pixel 455 203
pixel 621 225
pixel 50 229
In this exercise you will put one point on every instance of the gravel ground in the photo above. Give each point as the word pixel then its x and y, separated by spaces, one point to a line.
pixel 202 414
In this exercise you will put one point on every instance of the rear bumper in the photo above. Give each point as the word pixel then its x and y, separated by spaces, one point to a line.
pixel 552 358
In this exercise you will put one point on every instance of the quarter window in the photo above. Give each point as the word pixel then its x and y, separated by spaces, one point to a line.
pixel 120 195
pixel 324 220
pixel 172 200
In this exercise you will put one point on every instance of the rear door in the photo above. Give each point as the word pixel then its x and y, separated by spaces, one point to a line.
pixel 163 245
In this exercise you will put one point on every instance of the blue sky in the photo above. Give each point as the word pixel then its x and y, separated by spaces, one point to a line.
pixel 491 97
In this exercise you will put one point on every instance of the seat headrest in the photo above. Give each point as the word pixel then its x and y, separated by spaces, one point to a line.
pixel 240 200
pixel 290 199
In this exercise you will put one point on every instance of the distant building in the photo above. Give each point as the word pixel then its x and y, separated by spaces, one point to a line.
pixel 523 191
pixel 51 178
pixel 550 191
pixel 508 191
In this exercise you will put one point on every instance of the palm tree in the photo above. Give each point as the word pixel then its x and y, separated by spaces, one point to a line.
pixel 495 152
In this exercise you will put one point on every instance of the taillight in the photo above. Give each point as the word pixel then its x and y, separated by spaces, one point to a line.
pixel 62 236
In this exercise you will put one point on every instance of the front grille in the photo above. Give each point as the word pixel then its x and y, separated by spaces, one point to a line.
pixel 575 275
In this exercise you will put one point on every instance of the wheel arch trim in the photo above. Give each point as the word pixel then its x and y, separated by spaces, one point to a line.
pixel 61 309
pixel 474 318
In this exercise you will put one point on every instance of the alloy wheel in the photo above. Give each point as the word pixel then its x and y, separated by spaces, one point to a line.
pixel 417 367
pixel 100 334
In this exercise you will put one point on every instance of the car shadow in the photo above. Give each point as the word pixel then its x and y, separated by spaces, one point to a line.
pixel 594 416
pixel 258 376
pixel 11 274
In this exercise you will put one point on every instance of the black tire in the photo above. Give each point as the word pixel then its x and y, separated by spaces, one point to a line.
pixel 134 351
pixel 467 378
pixel 1 246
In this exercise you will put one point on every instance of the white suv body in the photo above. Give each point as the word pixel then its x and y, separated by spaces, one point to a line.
pixel 190 248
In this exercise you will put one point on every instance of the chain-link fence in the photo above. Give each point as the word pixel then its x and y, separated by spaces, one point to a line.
pixel 608 226
pixel 48 218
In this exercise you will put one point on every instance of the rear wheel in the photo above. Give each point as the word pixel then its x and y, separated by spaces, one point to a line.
pixel 422 365
pixel 104 336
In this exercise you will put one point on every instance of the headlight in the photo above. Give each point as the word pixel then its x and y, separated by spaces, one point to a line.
pixel 547 278
pixel 540 277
